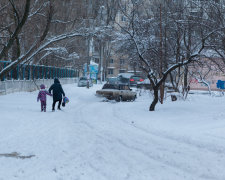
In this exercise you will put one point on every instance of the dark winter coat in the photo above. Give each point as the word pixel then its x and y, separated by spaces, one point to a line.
pixel 57 90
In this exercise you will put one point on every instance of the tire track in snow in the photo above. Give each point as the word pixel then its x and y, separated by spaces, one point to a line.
pixel 184 140
pixel 156 158
pixel 173 142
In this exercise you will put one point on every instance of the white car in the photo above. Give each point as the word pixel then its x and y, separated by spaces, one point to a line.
pixel 119 92
pixel 82 82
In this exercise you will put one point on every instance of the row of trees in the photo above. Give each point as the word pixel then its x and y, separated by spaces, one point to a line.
pixel 162 37
pixel 167 36
pixel 56 33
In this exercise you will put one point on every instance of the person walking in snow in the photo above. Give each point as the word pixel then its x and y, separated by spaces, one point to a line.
pixel 57 93
pixel 42 97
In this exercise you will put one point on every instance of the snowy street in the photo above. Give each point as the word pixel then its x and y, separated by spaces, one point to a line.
pixel 95 140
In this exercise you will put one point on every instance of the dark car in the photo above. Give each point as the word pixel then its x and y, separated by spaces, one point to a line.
pixel 124 78
pixel 134 80
pixel 145 84
pixel 112 80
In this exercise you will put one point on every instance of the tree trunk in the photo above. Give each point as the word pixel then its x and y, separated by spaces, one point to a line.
pixel 185 78
pixel 156 99
pixel 17 30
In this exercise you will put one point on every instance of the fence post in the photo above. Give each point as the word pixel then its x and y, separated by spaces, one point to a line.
pixel 46 72
pixel 18 72
pixel 38 68
pixel 28 75
pixel 4 65
pixel 11 72
pixel 33 71
pixel 24 71
pixel 42 72
pixel 50 72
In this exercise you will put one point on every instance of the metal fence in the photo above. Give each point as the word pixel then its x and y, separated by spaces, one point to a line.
pixel 28 72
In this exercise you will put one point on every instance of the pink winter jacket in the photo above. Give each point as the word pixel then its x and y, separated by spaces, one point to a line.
pixel 42 95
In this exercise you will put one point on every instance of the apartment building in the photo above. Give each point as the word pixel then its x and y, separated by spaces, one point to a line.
pixel 120 63
pixel 206 74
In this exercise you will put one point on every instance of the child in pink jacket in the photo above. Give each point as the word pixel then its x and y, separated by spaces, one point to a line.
pixel 42 97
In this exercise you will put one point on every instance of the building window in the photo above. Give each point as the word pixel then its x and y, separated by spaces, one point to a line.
pixel 110 71
pixel 111 61
pixel 122 61
pixel 122 71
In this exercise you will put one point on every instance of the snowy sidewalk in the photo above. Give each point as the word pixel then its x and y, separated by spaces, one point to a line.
pixel 94 140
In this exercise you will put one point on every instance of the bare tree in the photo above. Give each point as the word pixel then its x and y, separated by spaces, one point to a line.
pixel 143 37
pixel 46 24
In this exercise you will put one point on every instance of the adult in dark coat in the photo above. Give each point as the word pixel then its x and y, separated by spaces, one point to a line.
pixel 57 93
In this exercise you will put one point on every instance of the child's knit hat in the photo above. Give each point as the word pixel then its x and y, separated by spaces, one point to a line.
pixel 42 86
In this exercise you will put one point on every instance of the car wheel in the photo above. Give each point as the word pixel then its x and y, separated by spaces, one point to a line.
pixel 133 99
pixel 118 98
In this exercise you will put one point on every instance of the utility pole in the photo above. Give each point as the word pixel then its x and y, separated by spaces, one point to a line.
pixel 161 57
pixel 101 60
pixel 88 60
pixel 89 39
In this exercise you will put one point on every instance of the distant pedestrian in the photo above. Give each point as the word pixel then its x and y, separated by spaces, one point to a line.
pixel 42 97
pixel 57 93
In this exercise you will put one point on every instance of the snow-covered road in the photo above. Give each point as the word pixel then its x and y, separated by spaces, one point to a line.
pixel 94 140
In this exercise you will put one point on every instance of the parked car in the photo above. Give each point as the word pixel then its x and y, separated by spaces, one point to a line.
pixel 82 82
pixel 112 80
pixel 145 84
pixel 124 78
pixel 135 79
pixel 120 92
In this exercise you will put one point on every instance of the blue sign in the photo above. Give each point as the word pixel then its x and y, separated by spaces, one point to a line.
pixel 93 72
pixel 93 68
pixel 220 84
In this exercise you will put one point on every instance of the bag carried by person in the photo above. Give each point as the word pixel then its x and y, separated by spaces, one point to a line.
pixel 65 100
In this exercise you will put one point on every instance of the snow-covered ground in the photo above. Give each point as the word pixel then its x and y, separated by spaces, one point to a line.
pixel 94 140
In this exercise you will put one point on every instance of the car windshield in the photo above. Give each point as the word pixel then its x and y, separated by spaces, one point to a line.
pixel 83 78
pixel 109 86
